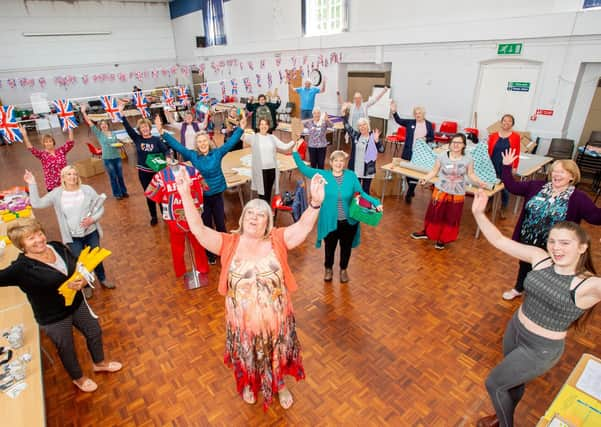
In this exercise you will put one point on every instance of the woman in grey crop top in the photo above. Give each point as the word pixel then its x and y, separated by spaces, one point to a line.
pixel 561 290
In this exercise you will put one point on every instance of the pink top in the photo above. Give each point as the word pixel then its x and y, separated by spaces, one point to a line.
pixel 52 164
pixel 420 131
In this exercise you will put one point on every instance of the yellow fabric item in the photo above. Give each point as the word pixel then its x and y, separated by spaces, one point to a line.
pixel 89 259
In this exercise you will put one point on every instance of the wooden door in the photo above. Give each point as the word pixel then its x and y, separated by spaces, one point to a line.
pixel 295 80
pixel 363 82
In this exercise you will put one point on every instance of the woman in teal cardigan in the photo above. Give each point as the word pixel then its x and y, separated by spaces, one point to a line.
pixel 334 224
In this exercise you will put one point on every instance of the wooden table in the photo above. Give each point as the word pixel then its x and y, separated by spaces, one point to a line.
pixel 28 408
pixel 495 192
pixel 237 181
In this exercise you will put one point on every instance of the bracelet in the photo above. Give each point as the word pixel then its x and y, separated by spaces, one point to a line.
pixel 314 207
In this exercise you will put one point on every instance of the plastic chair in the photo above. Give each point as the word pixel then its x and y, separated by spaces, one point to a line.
pixel 561 148
pixel 447 129
pixel 398 139
pixel 95 151
pixel 277 204
pixel 472 134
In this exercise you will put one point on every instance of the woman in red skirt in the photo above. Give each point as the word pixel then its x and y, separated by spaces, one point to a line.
pixel 444 212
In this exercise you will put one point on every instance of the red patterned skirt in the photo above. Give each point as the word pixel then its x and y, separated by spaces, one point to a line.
pixel 444 216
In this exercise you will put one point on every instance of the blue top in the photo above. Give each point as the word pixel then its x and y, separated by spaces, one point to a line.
pixel 307 97
pixel 209 165
pixel 108 151
pixel 501 146
pixel 328 214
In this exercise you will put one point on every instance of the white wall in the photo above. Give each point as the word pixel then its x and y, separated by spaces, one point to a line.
pixel 141 39
pixel 435 48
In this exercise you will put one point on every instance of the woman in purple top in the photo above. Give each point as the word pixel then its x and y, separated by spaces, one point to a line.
pixel 546 203
pixel 318 144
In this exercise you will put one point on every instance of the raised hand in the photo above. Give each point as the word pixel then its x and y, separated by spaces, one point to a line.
pixel 83 108
pixel 70 134
pixel 28 177
pixel 377 134
pixel 182 180
pixel 158 123
pixel 393 107
pixel 479 203
pixel 509 156
pixel 317 188
pixel 22 129
pixel 243 121
pixel 297 144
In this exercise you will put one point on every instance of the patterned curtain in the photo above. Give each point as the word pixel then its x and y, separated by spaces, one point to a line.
pixel 213 22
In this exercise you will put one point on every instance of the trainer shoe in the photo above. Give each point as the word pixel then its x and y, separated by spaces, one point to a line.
pixel 439 245
pixel 511 294
pixel 419 235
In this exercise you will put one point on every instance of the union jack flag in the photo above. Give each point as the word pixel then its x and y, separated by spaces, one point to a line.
pixel 281 76
pixel 222 84
pixel 248 85
pixel 204 92
pixel 183 94
pixel 259 80
pixel 66 115
pixel 168 98
pixel 9 128
pixel 110 107
pixel 140 102
pixel 269 80
pixel 234 83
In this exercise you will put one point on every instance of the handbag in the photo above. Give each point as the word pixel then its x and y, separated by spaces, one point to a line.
pixel 156 161
pixel 370 168
pixel 361 210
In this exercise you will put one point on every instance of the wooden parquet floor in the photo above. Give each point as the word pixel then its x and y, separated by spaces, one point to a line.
pixel 408 342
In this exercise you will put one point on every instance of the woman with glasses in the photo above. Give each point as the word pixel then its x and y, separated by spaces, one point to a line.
pixel 444 212
pixel 261 341
pixel 208 162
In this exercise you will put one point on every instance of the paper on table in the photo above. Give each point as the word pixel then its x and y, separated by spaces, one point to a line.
pixel 522 157
pixel 16 390
pixel 243 171
pixel 246 160
pixel 590 380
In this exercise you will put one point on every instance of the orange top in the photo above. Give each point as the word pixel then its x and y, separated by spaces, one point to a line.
pixel 228 249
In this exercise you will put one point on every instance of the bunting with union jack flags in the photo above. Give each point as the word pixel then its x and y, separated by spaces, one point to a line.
pixel 168 98
pixel 183 94
pixel 9 128
pixel 247 85
pixel 234 83
pixel 109 103
pixel 223 91
pixel 65 113
pixel 139 100
pixel 204 93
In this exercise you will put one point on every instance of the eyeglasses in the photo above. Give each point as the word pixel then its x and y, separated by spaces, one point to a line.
pixel 256 214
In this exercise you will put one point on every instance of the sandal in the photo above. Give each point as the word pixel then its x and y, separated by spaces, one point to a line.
pixel 111 367
pixel 248 396
pixel 88 386
pixel 286 399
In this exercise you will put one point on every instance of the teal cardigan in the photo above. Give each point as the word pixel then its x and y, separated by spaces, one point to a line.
pixel 328 214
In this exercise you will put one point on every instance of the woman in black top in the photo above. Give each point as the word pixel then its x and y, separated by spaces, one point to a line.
pixel 145 144
pixel 39 271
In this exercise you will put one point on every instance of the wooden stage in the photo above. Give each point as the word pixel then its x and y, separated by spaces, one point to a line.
pixel 407 342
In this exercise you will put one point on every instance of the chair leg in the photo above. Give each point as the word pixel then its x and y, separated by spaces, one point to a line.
pixel 45 353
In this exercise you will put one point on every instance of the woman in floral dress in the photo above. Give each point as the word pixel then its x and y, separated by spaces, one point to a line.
pixel 261 341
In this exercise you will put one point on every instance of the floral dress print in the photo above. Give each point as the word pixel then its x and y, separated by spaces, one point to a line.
pixel 52 164
pixel 261 341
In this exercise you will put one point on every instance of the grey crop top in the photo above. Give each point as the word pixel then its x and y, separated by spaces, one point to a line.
pixel 549 302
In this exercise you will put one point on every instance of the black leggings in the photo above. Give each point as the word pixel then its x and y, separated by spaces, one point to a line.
pixel 525 268
pixel 61 334
pixel 268 180
pixel 365 184
pixel 345 233
pixel 317 156
pixel 213 213
pixel 145 178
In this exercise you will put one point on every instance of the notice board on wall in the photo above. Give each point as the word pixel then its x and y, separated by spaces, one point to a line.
pixel 380 109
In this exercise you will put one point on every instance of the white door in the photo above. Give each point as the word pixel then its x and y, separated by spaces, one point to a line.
pixel 506 88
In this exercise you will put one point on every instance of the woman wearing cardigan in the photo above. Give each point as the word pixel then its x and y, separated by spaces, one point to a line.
pixel 39 271
pixel 364 150
pixel 262 345
pixel 416 128
pixel 145 144
pixel 264 167
pixel 334 224
pixel 208 163
pixel 78 209
pixel 546 203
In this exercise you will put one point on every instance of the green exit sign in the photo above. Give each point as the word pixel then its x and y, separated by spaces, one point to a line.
pixel 509 49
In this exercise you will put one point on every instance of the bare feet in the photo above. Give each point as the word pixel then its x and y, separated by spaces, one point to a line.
pixel 286 399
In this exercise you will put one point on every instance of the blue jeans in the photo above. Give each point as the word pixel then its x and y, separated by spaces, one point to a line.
pixel 306 114
pixel 92 240
pixel 115 172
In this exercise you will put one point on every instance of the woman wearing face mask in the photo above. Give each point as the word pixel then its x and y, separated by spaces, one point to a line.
pixel 53 159
pixel 417 128
pixel 498 143
pixel 264 160
pixel 208 163
pixel 365 148
pixel 145 144
pixel 334 224
pixel 77 218
pixel 546 203
pixel 41 268
pixel 111 156
pixel 561 291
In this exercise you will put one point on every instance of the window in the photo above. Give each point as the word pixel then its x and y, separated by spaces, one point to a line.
pixel 321 17
pixel 588 4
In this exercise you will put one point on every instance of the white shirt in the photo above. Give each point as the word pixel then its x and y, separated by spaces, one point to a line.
pixel 266 148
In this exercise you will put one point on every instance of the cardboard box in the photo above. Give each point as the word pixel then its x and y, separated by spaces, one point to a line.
pixel 527 145
pixel 89 167
pixel 393 185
